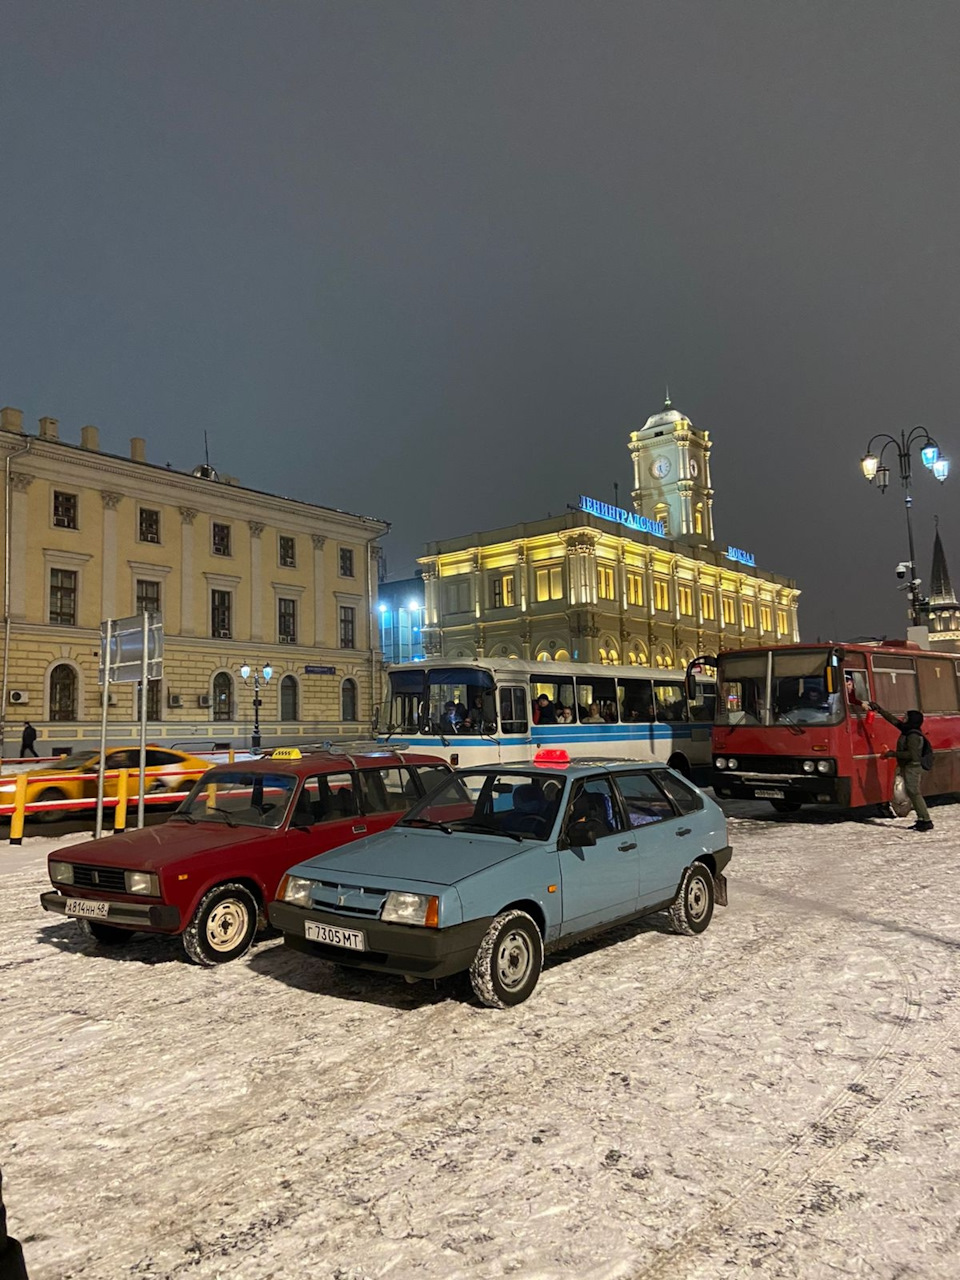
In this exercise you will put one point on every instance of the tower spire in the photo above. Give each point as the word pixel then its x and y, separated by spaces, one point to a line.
pixel 666 403
pixel 941 591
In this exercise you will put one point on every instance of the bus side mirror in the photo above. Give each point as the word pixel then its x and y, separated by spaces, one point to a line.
pixel 693 670
pixel 831 678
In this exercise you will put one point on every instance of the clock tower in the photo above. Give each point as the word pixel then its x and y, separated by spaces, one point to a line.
pixel 671 474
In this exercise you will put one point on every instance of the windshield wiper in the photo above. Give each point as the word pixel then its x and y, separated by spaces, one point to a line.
pixel 186 817
pixel 426 822
pixel 229 821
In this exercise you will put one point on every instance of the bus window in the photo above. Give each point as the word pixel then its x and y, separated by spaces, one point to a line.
pixel 636 701
pixel 459 685
pixel 407 690
pixel 799 694
pixel 513 710
pixel 938 686
pixel 861 690
pixel 560 693
pixel 743 680
pixel 895 682
pixel 703 706
pixel 599 689
pixel 669 700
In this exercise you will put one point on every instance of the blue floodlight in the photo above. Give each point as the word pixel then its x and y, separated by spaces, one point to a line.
pixel 941 468
pixel 929 453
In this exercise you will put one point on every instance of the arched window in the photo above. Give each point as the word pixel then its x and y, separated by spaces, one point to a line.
pixel 348 700
pixel 662 512
pixel 289 698
pixel 223 696
pixel 561 656
pixel 63 693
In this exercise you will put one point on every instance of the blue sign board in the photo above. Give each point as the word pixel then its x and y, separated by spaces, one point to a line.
pixel 320 671
pixel 617 514
pixel 742 557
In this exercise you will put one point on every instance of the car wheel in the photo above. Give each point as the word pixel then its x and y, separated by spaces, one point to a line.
pixel 223 925
pixel 786 806
pixel 692 909
pixel 107 935
pixel 507 965
pixel 50 815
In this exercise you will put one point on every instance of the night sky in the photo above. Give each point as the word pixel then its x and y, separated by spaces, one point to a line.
pixel 433 262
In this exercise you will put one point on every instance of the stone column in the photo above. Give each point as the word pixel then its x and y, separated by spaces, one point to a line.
pixel 20 482
pixel 108 561
pixel 520 578
pixel 187 517
pixel 256 586
pixel 477 586
pixel 319 541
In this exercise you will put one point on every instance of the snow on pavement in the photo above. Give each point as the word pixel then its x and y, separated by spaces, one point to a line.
pixel 778 1097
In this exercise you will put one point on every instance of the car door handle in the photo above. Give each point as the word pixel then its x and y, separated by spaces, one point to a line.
pixel 358 829
pixel 683 831
pixel 624 847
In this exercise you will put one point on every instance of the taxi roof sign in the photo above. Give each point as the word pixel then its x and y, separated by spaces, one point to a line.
pixel 286 753
pixel 552 757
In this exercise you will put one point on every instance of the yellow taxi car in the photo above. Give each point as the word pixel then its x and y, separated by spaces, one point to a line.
pixel 74 777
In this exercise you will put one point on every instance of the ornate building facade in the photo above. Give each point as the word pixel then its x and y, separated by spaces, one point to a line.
pixel 238 576
pixel 601 584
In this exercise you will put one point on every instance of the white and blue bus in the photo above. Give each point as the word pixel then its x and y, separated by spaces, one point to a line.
pixel 484 711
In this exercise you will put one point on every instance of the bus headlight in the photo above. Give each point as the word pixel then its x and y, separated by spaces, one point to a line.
pixel 826 766
pixel 809 766
pixel 721 762
pixel 731 763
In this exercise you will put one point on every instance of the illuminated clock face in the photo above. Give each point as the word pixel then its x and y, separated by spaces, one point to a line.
pixel 660 468
pixel 694 468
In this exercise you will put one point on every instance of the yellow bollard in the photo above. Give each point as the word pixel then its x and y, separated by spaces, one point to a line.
pixel 19 800
pixel 120 812
pixel 230 756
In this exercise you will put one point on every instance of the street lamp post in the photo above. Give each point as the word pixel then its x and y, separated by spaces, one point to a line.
pixel 245 671
pixel 873 469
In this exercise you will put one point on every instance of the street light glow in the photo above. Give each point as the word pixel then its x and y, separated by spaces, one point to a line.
pixel 929 453
pixel 414 605
pixel 267 671
pixel 869 463
pixel 245 671
pixel 941 468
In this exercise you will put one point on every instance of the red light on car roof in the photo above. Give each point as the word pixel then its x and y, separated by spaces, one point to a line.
pixel 552 757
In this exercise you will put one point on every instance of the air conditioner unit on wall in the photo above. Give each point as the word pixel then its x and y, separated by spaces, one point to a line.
pixel 111 700
pixel 203 700
pixel 19 696
pixel 174 700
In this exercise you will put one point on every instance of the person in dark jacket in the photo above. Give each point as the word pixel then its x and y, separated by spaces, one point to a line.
pixel 908 753
pixel 12 1266
pixel 27 740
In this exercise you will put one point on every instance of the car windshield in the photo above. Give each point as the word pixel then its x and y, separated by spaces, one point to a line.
pixel 522 806
pixel 240 798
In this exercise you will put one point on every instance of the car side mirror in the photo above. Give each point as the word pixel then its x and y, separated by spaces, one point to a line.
pixel 581 836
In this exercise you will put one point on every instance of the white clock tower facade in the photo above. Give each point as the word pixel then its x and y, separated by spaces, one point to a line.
pixel 671 474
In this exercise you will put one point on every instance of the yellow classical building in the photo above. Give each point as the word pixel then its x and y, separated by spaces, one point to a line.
pixel 649 586
pixel 238 576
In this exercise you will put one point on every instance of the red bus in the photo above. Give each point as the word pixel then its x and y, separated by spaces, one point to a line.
pixel 793 725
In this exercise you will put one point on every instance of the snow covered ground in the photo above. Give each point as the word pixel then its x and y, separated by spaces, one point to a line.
pixel 777 1098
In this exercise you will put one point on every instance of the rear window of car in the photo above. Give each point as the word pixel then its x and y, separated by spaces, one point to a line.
pixel 686 797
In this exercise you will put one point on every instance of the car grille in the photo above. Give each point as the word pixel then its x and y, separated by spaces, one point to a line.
pixel 762 764
pixel 348 899
pixel 110 878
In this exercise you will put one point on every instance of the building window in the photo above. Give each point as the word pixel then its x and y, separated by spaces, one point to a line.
pixel 661 594
pixel 348 627
pixel 223 696
pixel 661 512
pixel 550 583
pixel 148 596
pixel 782 623
pixel 346 562
pixel 748 618
pixel 685 600
pixel 63 693
pixel 288 552
pixel 63 597
pixel 708 606
pixel 501 591
pixel 220 602
pixel 348 700
pixel 64 510
pixel 287 621
pixel 154 689
pixel 457 594
pixel 289 699
pixel 605 583
pixel 698 518
pixel 149 525
pixel 729 610
pixel 766 618
pixel 221 539
pixel 635 588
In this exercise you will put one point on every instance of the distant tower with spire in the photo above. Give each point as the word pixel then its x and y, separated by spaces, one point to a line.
pixel 943 610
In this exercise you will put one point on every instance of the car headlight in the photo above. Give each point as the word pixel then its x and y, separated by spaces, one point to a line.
pixel 145 883
pixel 809 766
pixel 721 762
pixel 61 872
pixel 826 766
pixel 731 763
pixel 296 890
pixel 411 908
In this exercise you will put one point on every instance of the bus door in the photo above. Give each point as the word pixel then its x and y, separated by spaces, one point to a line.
pixel 514 723
pixel 637 710
pixel 863 745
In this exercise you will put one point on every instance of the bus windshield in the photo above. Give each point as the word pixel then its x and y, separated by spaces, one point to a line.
pixel 443 700
pixel 790 689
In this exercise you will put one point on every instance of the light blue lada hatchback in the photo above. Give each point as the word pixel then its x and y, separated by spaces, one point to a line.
pixel 503 862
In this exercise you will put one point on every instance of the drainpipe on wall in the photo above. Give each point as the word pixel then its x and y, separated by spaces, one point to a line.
pixel 374 629
pixel 6 593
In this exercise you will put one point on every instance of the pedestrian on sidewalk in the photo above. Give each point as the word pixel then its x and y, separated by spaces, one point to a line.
pixel 909 756
pixel 27 741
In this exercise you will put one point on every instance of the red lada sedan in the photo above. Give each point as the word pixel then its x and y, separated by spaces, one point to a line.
pixel 210 871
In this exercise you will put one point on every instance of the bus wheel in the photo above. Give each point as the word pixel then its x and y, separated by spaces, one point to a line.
pixel 682 765
pixel 786 806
